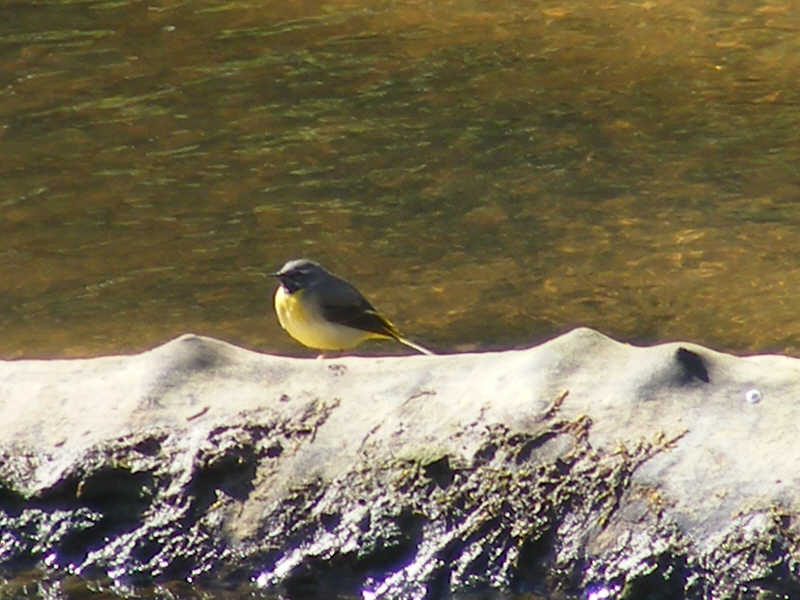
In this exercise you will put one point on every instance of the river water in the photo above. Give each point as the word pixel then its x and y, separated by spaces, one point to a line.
pixel 490 174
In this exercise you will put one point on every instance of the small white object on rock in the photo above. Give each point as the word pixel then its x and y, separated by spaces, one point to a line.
pixel 753 396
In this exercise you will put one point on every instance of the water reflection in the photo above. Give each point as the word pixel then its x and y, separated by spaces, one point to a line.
pixel 488 174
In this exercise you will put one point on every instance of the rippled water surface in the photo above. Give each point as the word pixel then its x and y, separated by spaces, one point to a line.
pixel 489 174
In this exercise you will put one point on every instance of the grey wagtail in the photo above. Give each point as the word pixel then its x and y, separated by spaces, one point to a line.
pixel 323 311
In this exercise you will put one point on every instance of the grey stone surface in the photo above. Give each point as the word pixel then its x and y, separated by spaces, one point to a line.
pixel 581 464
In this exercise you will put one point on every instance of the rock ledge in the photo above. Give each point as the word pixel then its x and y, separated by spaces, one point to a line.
pixel 579 466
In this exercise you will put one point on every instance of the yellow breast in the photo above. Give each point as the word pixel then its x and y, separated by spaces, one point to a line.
pixel 299 315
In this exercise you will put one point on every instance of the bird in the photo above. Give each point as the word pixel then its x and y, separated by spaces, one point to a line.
pixel 325 312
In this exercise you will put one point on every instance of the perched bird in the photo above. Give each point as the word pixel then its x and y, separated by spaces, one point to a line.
pixel 322 311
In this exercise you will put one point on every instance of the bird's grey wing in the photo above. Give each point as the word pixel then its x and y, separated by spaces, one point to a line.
pixel 345 305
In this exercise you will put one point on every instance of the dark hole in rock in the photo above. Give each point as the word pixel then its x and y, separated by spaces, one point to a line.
pixel 388 545
pixel 145 550
pixel 11 502
pixel 440 472
pixel 535 557
pixel 232 473
pixel 60 496
pixel 365 523
pixel 274 450
pixel 484 454
pixel 693 364
pixel 666 582
pixel 121 497
pixel 150 446
pixel 117 493
pixel 330 520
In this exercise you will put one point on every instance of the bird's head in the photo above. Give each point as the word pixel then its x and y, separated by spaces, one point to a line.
pixel 300 274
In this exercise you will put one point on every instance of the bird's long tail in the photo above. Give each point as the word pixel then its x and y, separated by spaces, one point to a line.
pixel 411 344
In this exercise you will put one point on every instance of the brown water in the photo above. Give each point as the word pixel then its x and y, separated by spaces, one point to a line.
pixel 489 174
